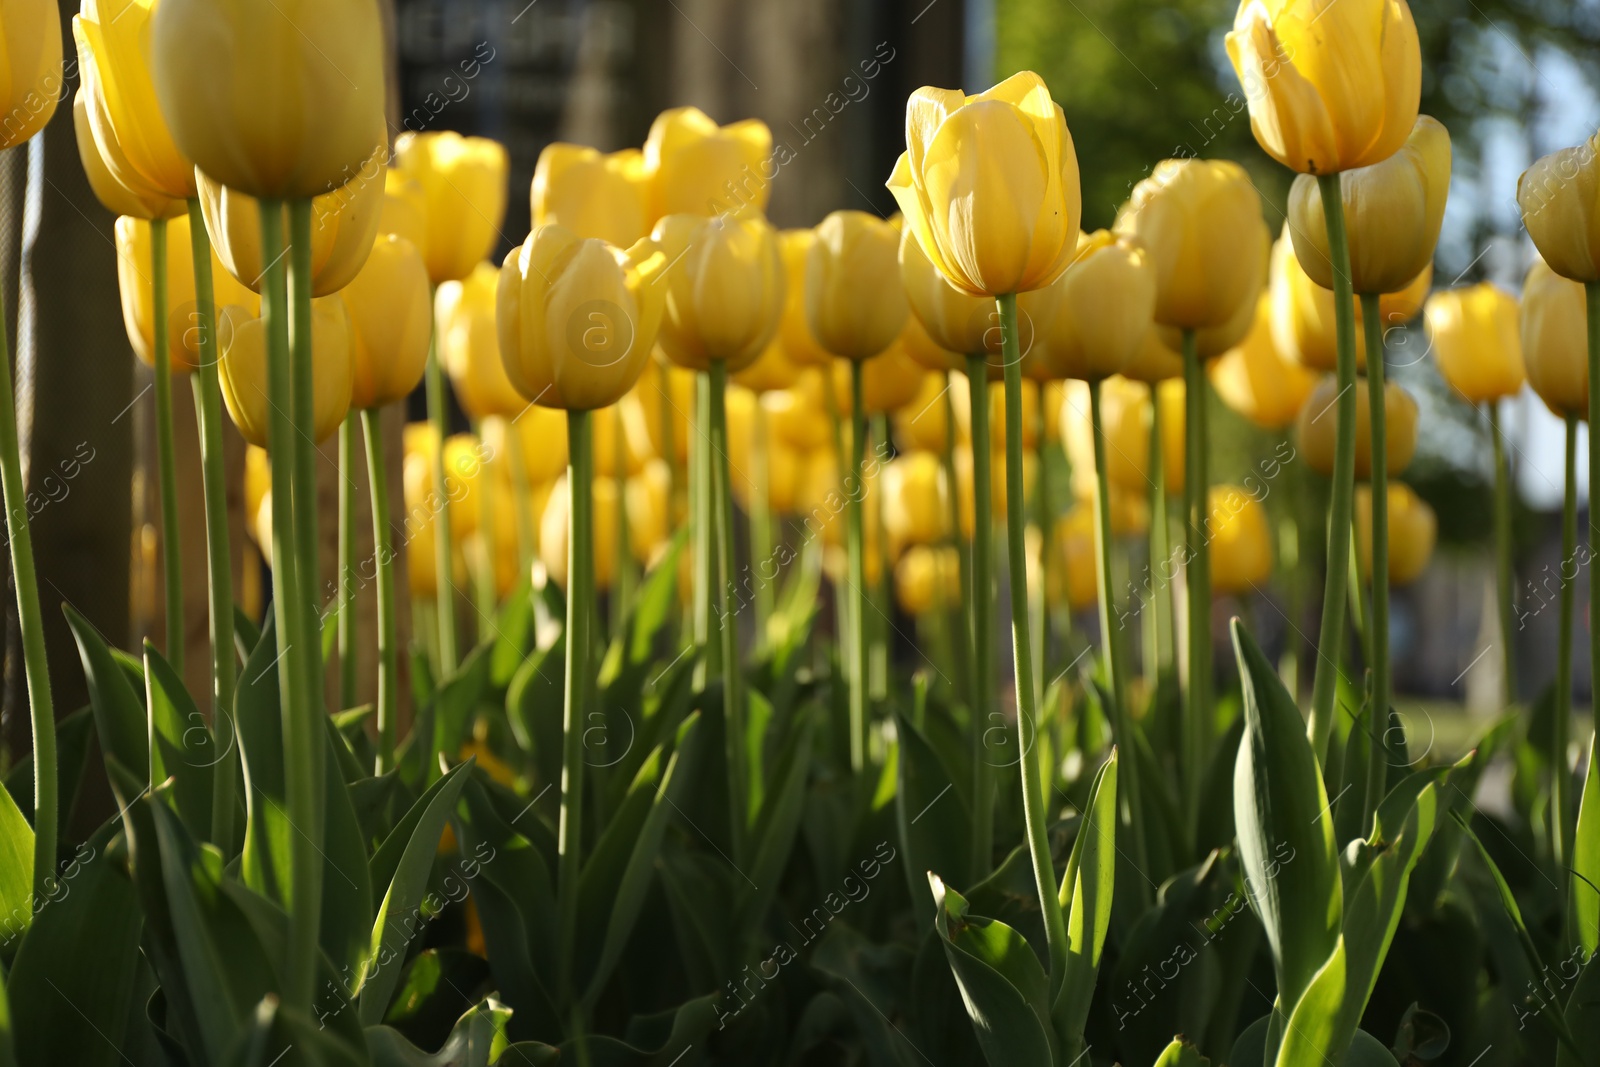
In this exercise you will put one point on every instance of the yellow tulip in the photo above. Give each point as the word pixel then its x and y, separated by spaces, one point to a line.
pixel 1093 320
pixel 117 198
pixel 577 318
pixel 928 579
pixel 1555 340
pixel 961 402
pixel 1315 427
pixel 464 182
pixel 591 193
pixel 955 324
pixel 916 501
pixel 1392 213
pixel 922 424
pixel 665 391
pixel 1413 530
pixel 469 345
pixel 243 369
pixel 620 437
pixel 1154 361
pixel 1331 85
pixel 387 304
pixel 890 380
pixel 785 469
pixel 1073 579
pixel 31 53
pixel 1302 311
pixel 1560 200
pixel 997 485
pixel 1255 380
pixel 824 496
pixel 649 521
pixel 257 479
pixel 541 436
pixel 1125 416
pixel 696 167
pixel 989 185
pixel 1130 509
pixel 1200 223
pixel 138 301
pixel 855 304
pixel 770 371
pixel 794 331
pixel 1473 335
pixel 786 466
pixel 466 464
pixel 281 100
pixel 405 209
pixel 724 288
pixel 123 113
pixel 1240 540
pixel 1212 341
pixel 798 416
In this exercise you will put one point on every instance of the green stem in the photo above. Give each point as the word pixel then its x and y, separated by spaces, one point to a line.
pixel 1197 719
pixel 1378 637
pixel 219 567
pixel 1289 568
pixel 347 562
pixel 727 620
pixel 982 609
pixel 856 541
pixel 383 554
pixel 171 548
pixel 761 524
pixel 523 501
pixel 307 535
pixel 702 496
pixel 1358 613
pixel 1160 653
pixel 1044 518
pixel 302 739
pixel 1505 574
pixel 1033 807
pixel 1561 726
pixel 580 612
pixel 1344 469
pixel 444 548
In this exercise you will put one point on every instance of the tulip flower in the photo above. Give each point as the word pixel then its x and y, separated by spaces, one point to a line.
pixel 464 182
pixel 1317 437
pixel 1558 196
pixel 134 245
pixel 539 434
pixel 1331 86
pixel 1092 321
pixel 1472 333
pixel 591 193
pixel 1155 361
pixel 405 209
pixel 664 395
pixel 957 325
pixel 283 101
pixel 621 441
pixel 771 371
pixel 916 509
pixel 696 167
pixel 469 345
pixel 855 305
pixel 1241 540
pixel 1127 416
pixel 961 397
pixel 1554 343
pixel 117 198
pixel 889 381
pixel 32 57
pixel 1078 586
pixel 387 306
pixel 924 423
pixel 244 369
pixel 999 491
pixel 927 579
pixel 794 330
pixel 1413 529
pixel 1257 381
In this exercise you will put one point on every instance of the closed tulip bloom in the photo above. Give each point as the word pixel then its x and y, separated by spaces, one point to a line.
pixel 138 299
pixel 1125 418
pixel 1255 380
pixel 794 331
pixel 1392 210
pixel 855 304
pixel 469 345
pixel 1073 578
pixel 1092 321
pixel 117 198
pixel 1315 427
pixel 1555 340
pixel 916 502
pixel 244 369
pixel 1240 538
pixel 1473 334
pixel 124 115
pixel 770 371
pixel 30 50
pixel 591 193
pixel 1413 531
pixel 1213 341
pixel 279 100
pixel 922 424
pixel 541 434
pixel 929 353
pixel 466 467
pixel 1560 200
pixel 621 439
pixel 1130 509
pixel 798 416
pixel 1201 226
pixel 577 318
pixel 387 304
pixel 464 182
pixel 660 377
pixel 405 209
pixel 724 288
pixel 1302 312
pixel 1155 361
pixel 957 324
pixel 696 167
pixel 889 381
pixel 927 578
pixel 257 478
pixel 1332 85
pixel 647 498
pixel 989 185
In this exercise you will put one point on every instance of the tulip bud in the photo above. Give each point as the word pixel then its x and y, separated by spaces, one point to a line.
pixel 1255 380
pixel 281 100
pixel 138 298
pixel 554 527
pixel 1555 340
pixel 1212 341
pixel 541 436
pixel 1073 578
pixel 770 371
pixel 1473 335
pixel 1331 86
pixel 1303 324
pixel 1413 530
pixel 577 318
pixel 1154 361
pixel 405 209
pixel 1392 211
pixel 794 331
pixel 665 391
pixel 469 345
pixel 1200 223
pixel 647 498
pixel 916 506
pixel 1560 200
pixel 257 478
pixel 591 193
pixel 30 50
pixel 1240 540
pixel 928 579
pixel 387 304
pixel 956 325
pixel 464 182
pixel 1315 427
pixel 1093 320
pixel 117 198
pixel 696 167
pixel 922 424
pixel 724 288
pixel 989 185
pixel 1125 417
pixel 621 439
pixel 855 304
pixel 798 416
pixel 243 369
pixel 890 380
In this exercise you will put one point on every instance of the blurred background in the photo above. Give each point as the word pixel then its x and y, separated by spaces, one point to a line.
pixel 1139 81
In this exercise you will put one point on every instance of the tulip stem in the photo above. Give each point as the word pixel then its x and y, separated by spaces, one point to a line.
pixel 728 624
pixel 443 547
pixel 1033 800
pixel 1561 723
pixel 1160 652
pixel 1045 518
pixel 219 566
pixel 302 740
pixel 1592 302
pixel 1121 720
pixel 1198 717
pixel 855 489
pixel 522 500
pixel 388 644
pixel 580 611
pixel 1378 626
pixel 982 611
pixel 166 456
pixel 1505 574
pixel 347 562
pixel 761 523
pixel 702 495
pixel 307 533
pixel 1331 632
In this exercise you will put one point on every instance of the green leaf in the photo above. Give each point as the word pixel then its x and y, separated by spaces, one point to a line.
pixel 478 1039
pixel 73 733
pixel 933 822
pixel 181 746
pixel 119 715
pixel 869 981
pixel 534 708
pixel 453 705
pixel 16 873
pixel 246 634
pixel 1182 1054
pixel 1286 844
pixel 1582 1012
pixel 1320 1026
pixel 778 823
pixel 1085 894
pixel 513 635
pixel 1002 982
pixel 664 1039
pixel 8 1045
pixel 1585 888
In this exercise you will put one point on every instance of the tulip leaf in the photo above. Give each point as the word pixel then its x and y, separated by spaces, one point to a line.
pixel 8 1043
pixel 1181 1054
pixel 119 714
pixel 246 634
pixel 778 822
pixel 534 708
pixel 1086 894
pixel 181 746
pixel 478 1039
pixel 16 874
pixel 663 1039
pixel 868 980
pixel 1319 1027
pixel 513 635
pixel 453 704
pixel 73 733
pixel 1585 887
pixel 930 815
pixel 1582 1014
